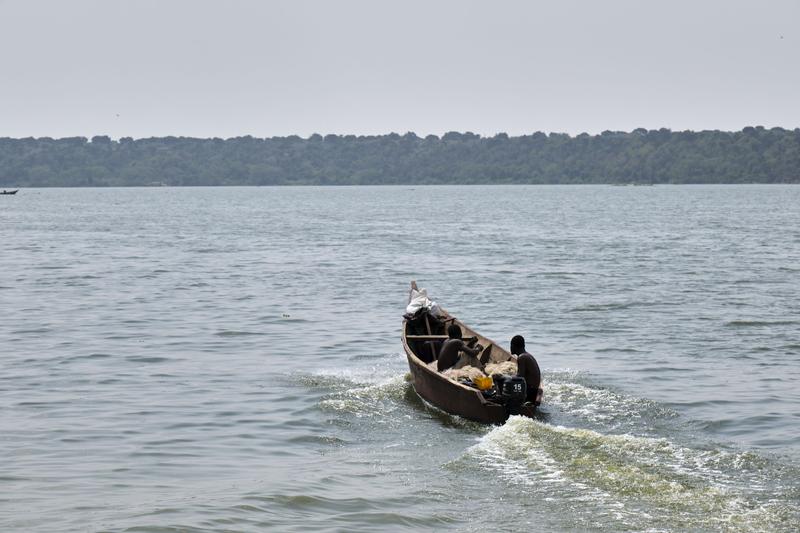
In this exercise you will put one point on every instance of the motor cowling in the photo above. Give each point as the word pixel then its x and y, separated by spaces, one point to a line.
pixel 513 392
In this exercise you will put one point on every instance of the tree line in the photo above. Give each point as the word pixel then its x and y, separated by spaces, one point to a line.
pixel 752 155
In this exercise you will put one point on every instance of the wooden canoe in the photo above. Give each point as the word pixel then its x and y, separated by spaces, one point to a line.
pixel 420 336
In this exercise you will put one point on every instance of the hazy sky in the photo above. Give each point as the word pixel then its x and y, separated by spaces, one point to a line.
pixel 226 68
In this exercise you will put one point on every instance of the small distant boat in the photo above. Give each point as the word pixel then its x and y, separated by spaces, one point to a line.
pixel 15 191
pixel 422 335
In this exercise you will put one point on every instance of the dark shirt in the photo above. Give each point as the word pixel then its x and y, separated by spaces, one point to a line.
pixel 528 368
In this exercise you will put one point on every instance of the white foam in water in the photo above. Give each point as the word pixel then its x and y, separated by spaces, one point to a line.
pixel 636 481
pixel 631 477
pixel 380 370
pixel 379 398
pixel 598 405
pixel 504 451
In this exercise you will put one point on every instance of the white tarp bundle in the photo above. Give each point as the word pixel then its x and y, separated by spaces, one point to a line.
pixel 418 299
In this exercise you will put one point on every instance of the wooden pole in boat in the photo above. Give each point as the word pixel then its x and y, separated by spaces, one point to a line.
pixel 430 343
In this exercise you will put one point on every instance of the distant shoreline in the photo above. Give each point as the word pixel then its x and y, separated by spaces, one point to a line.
pixel 641 157
pixel 411 186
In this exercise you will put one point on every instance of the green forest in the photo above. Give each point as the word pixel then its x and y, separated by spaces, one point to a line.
pixel 753 155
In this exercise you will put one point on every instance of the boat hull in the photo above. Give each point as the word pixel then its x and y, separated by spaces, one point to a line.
pixel 452 397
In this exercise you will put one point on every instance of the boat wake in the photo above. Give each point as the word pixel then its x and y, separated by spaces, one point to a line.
pixel 605 459
pixel 376 389
pixel 639 482
pixel 367 400
pixel 379 391
pixel 576 402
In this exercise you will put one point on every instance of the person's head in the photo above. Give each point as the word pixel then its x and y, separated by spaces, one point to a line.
pixel 454 331
pixel 517 345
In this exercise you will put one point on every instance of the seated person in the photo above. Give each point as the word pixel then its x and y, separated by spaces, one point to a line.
pixel 528 368
pixel 452 347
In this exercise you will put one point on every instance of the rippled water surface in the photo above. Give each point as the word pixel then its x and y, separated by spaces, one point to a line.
pixel 228 359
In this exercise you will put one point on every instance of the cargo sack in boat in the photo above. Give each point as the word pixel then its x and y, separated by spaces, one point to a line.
pixel 506 367
pixel 468 372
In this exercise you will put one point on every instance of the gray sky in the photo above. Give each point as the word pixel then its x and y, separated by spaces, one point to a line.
pixel 227 68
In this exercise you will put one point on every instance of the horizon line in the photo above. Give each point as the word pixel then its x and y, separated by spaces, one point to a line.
pixel 352 136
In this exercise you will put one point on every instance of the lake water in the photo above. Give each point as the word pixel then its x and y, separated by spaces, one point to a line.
pixel 229 359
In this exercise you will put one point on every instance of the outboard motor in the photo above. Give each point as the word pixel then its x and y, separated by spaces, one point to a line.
pixel 514 393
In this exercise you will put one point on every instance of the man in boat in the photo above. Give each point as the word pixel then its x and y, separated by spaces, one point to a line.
pixel 451 348
pixel 528 368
